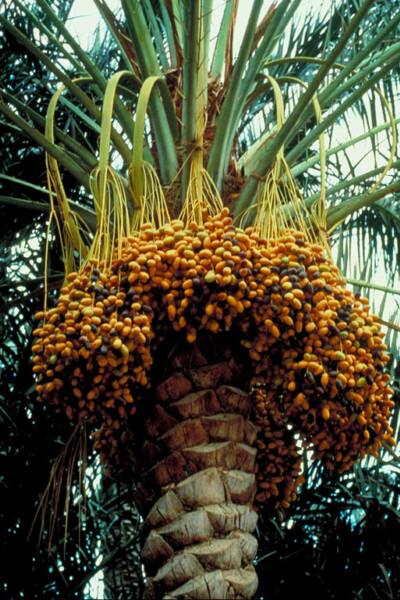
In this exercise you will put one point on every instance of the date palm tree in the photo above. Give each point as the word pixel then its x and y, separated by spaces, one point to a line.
pixel 219 121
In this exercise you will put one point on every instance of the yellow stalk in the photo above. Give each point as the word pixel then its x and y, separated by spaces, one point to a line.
pixel 143 183
pixel 319 210
pixel 278 189
pixel 202 196
pixel 67 220
pixel 107 187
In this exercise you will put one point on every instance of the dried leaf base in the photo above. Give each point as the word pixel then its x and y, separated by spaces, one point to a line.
pixel 198 469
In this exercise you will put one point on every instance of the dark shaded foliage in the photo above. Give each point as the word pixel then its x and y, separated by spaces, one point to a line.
pixel 31 436
pixel 341 541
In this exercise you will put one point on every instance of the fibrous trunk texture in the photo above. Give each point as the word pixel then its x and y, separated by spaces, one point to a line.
pixel 198 471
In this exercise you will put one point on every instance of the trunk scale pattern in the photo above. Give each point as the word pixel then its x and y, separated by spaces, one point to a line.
pixel 198 475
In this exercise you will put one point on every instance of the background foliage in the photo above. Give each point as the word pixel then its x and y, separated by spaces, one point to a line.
pixel 341 539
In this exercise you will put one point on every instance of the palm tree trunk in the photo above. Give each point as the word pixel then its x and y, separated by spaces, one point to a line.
pixel 197 486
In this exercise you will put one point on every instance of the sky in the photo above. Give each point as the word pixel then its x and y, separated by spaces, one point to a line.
pixel 84 15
